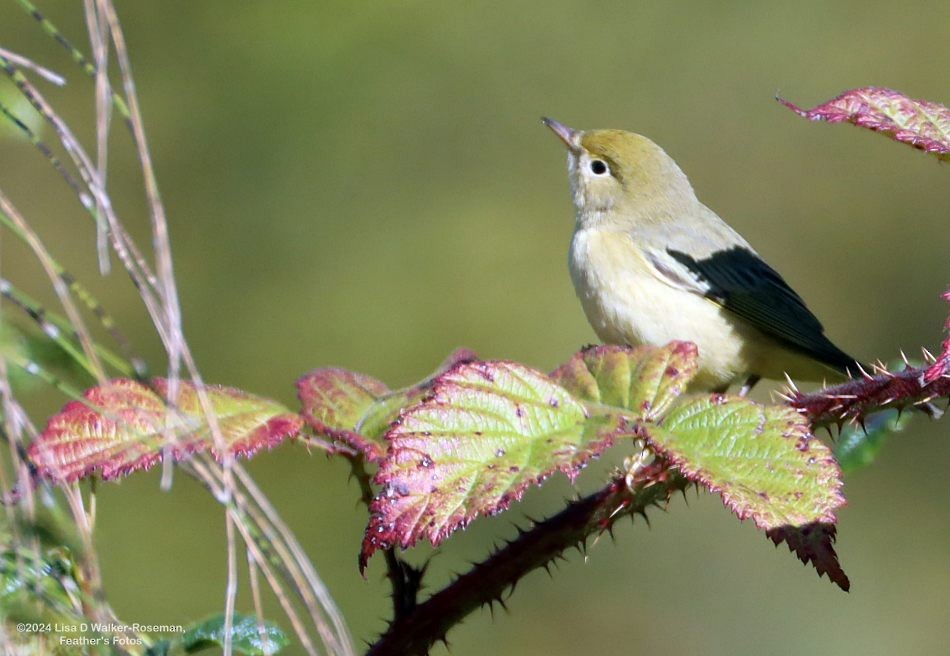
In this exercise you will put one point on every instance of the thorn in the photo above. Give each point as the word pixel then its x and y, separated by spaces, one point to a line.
pixel 594 543
pixel 615 511
pixel 863 372
pixel 646 518
pixel 904 358
pixel 791 383
pixel 928 356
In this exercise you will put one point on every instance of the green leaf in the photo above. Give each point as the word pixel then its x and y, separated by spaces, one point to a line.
pixel 41 588
pixel 858 445
pixel 486 432
pixel 25 346
pixel 646 379
pixel 18 118
pixel 39 577
pixel 122 426
pixel 246 637
pixel 762 459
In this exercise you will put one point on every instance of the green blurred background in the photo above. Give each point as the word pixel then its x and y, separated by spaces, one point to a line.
pixel 367 184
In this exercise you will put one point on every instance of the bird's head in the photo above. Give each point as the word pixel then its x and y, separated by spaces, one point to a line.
pixel 621 178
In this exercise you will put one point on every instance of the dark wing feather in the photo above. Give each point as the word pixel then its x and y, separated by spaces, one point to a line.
pixel 738 280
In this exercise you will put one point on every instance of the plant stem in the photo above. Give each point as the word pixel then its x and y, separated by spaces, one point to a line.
pixel 428 622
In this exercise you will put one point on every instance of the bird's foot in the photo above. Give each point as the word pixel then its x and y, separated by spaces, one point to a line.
pixel 749 384
pixel 633 465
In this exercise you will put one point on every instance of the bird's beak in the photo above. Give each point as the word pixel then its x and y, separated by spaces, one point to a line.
pixel 570 137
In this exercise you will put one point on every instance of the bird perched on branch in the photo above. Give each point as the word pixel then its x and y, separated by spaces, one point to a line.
pixel 651 264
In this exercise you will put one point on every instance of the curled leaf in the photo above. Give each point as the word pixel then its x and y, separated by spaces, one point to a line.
pixel 814 544
pixel 123 426
pixel 858 445
pixel 335 402
pixel 919 123
pixel 357 409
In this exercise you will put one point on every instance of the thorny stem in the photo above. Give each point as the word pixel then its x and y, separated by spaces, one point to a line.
pixel 853 400
pixel 486 582
pixel 405 579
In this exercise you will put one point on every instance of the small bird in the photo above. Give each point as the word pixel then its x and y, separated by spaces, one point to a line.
pixel 651 263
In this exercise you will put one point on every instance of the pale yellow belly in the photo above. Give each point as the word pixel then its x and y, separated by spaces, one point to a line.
pixel 627 303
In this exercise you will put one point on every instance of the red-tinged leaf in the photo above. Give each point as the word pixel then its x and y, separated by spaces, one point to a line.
pixel 646 379
pixel 487 432
pixel 941 368
pixel 122 426
pixel 762 459
pixel 920 123
pixel 357 409
pixel 335 402
pixel 459 356
pixel 813 543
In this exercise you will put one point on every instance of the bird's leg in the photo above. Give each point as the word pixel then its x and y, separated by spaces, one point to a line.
pixel 749 384
pixel 634 464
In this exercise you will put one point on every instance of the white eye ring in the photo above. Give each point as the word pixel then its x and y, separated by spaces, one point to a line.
pixel 599 167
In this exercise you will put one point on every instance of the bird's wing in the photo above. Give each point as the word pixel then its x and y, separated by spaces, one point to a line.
pixel 738 280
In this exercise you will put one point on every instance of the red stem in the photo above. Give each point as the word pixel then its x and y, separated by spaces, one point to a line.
pixel 427 623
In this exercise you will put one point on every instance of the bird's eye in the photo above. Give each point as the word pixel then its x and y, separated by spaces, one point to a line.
pixel 598 167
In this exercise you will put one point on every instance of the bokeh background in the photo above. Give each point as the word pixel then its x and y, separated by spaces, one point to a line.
pixel 367 184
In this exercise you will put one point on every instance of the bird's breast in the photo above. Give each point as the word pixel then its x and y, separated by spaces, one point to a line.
pixel 627 302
